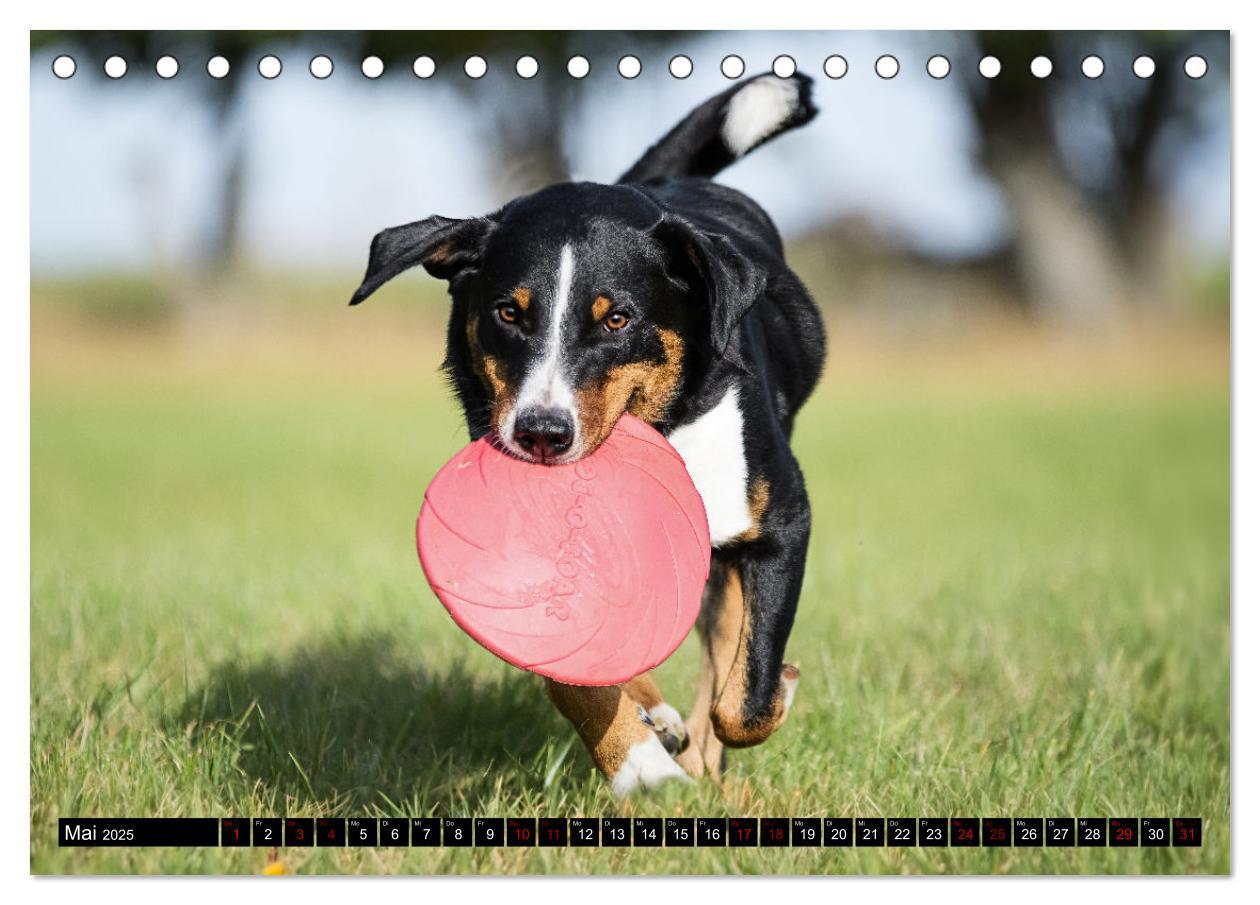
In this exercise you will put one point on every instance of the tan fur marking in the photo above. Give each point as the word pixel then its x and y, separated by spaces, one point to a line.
pixel 522 296
pixel 703 754
pixel 728 644
pixel 644 389
pixel 486 367
pixel 719 627
pixel 441 253
pixel 606 719
pixel 758 502
pixel 693 254
pixel 600 307
pixel 642 688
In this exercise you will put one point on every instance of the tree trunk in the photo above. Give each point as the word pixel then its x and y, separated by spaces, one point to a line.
pixel 1064 257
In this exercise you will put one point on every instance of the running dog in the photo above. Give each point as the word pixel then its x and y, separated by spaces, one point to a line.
pixel 665 295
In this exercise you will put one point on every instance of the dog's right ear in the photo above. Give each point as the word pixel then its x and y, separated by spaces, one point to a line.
pixel 447 248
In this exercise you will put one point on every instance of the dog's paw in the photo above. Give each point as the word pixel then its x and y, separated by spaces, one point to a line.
pixel 647 765
pixel 669 726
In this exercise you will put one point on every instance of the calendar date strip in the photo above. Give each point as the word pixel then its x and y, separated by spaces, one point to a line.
pixel 634 832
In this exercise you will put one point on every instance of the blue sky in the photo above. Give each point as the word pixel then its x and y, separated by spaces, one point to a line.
pixel 121 171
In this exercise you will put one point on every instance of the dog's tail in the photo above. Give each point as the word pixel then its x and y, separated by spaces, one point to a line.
pixel 726 127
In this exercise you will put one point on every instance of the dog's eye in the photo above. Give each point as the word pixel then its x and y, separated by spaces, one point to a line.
pixel 616 321
pixel 508 313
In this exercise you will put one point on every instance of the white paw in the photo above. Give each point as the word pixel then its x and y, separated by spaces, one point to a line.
pixel 647 765
pixel 669 726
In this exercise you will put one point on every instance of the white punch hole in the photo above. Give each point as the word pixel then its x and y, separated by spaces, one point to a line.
pixel 321 66
pixel 1041 67
pixel 579 67
pixel 527 67
pixel 218 67
pixel 938 66
pixel 887 67
pixel 835 66
pixel 475 67
pixel 784 66
pixel 64 66
pixel 1143 67
pixel 732 66
pixel 423 67
pixel 680 67
pixel 269 66
pixel 167 67
pixel 629 67
pixel 990 66
pixel 115 67
pixel 372 67
pixel 1092 66
pixel 1195 66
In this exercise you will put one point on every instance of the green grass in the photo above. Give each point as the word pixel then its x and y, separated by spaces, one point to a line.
pixel 1016 604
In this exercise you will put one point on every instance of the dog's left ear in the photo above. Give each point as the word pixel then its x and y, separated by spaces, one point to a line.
pixel 447 248
pixel 731 280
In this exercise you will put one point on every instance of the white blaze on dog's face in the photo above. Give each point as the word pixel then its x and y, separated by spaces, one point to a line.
pixel 573 321
pixel 544 418
pixel 573 306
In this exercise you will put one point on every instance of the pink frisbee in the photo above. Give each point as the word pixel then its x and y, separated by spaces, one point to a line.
pixel 589 573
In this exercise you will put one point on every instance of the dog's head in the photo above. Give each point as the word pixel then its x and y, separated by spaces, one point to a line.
pixel 572 306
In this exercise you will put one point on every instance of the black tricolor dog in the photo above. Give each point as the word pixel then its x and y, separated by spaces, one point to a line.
pixel 667 296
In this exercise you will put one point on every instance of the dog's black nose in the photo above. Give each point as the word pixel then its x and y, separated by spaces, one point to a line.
pixel 544 432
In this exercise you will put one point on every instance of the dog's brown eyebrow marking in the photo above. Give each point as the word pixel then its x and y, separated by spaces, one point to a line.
pixel 522 295
pixel 600 307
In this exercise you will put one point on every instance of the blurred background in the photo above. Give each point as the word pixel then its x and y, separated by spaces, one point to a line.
pixel 1067 200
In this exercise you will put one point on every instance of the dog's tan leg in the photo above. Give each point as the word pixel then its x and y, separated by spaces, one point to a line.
pixel 734 721
pixel 667 721
pixel 720 715
pixel 718 628
pixel 618 733
pixel 703 754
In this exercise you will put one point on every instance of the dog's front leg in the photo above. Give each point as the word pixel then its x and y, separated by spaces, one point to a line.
pixel 752 687
pixel 618 733
pixel 746 689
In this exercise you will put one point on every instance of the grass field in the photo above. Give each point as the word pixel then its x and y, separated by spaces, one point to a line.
pixel 1017 603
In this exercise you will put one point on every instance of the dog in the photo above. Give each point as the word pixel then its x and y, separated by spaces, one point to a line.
pixel 667 296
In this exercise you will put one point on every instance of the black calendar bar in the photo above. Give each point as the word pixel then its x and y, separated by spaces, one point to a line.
pixel 639 832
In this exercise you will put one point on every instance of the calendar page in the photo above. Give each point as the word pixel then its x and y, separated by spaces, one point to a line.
pixel 630 452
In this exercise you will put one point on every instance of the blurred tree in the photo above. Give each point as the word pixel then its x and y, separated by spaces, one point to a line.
pixel 526 122
pixel 1081 161
pixel 241 49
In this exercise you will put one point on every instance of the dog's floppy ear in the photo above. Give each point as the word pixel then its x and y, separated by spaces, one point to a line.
pixel 447 248
pixel 730 278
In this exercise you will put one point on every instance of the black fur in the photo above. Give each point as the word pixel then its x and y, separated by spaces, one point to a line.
pixel 672 250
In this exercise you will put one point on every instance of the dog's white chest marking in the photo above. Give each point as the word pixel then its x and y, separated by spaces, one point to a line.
pixel 712 447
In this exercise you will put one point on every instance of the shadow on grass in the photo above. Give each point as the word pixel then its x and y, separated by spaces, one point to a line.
pixel 354 724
